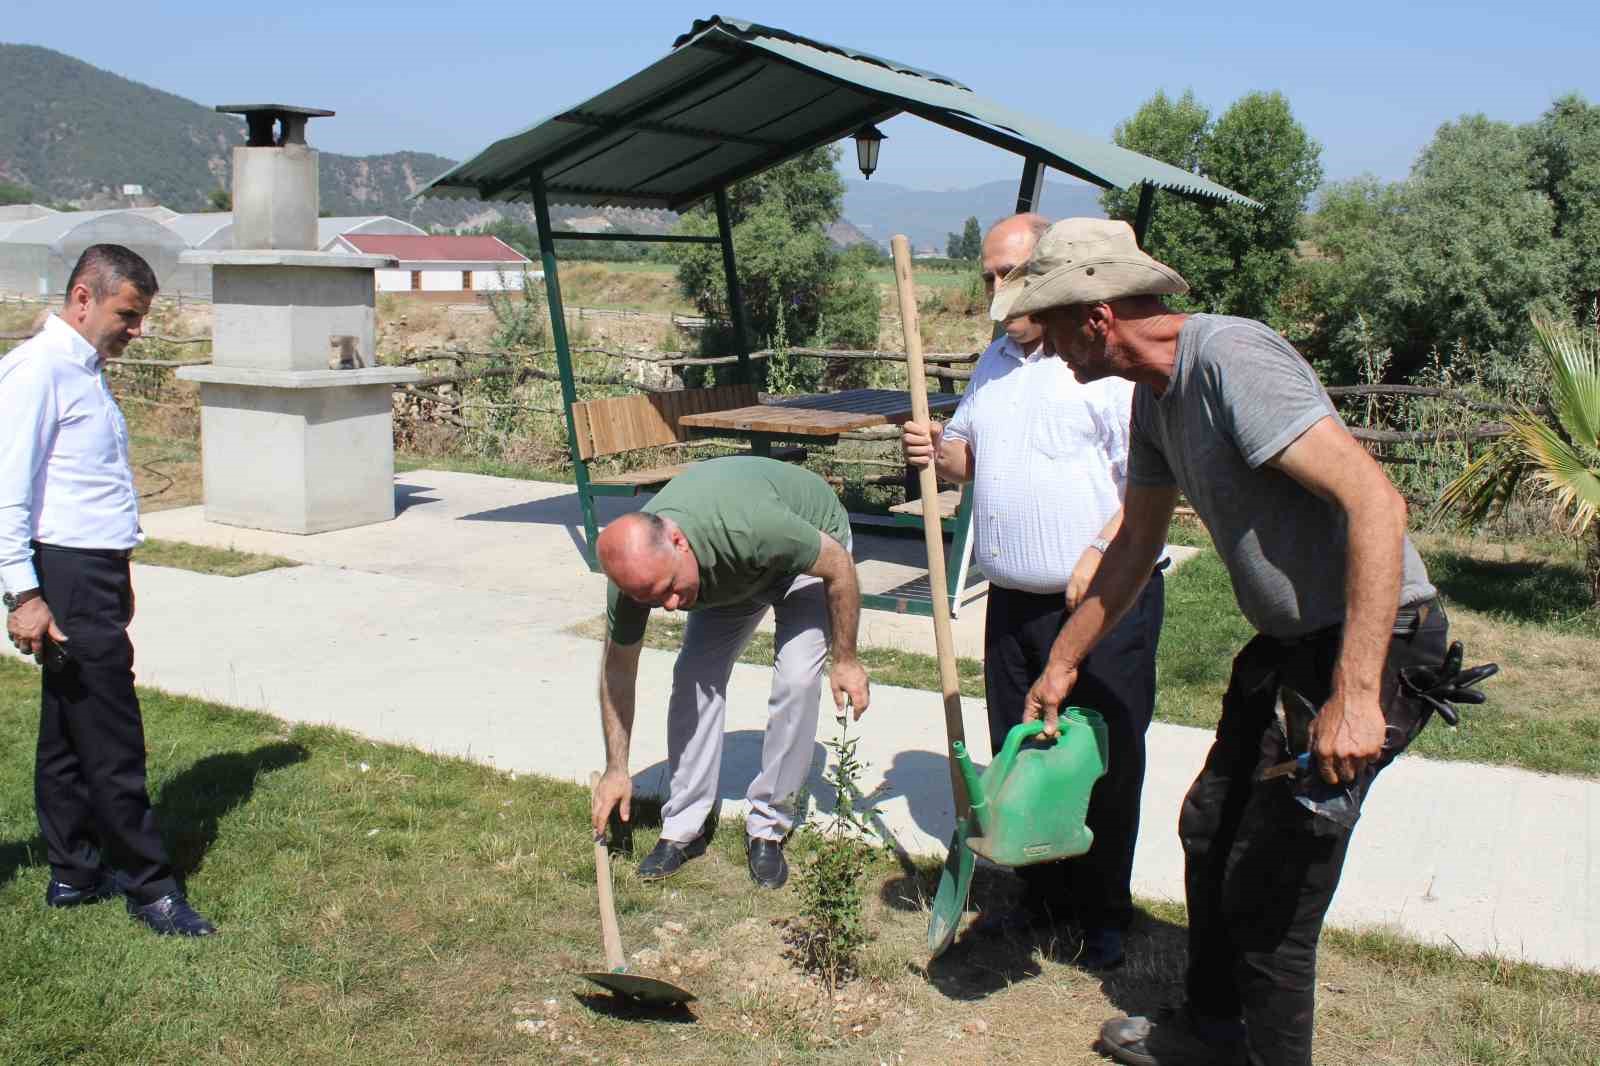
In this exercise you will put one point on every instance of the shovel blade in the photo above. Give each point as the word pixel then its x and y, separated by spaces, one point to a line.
pixel 950 902
pixel 643 989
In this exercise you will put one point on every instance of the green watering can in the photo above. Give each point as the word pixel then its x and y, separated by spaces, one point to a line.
pixel 1029 806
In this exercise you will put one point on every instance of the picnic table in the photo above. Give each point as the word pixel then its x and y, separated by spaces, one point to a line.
pixel 819 419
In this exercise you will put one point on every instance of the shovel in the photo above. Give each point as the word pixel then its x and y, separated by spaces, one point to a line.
pixel 955 881
pixel 616 977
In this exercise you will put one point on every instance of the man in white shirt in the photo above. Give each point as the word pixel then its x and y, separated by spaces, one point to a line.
pixel 1047 459
pixel 69 520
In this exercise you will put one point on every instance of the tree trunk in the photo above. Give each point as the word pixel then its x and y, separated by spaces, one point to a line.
pixel 1591 563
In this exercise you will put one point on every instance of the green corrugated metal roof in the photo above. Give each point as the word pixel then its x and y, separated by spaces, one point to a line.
pixel 733 98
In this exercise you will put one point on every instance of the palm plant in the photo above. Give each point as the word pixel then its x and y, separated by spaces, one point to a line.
pixel 1557 451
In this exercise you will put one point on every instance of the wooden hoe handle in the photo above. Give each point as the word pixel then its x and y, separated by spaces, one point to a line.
pixel 932 529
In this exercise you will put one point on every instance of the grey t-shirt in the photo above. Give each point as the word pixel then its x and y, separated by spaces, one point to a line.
pixel 1239 395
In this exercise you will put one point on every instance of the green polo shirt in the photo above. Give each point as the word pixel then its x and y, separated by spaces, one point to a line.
pixel 752 523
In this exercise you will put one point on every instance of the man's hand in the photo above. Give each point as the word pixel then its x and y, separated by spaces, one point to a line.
pixel 614 790
pixel 920 441
pixel 1044 699
pixel 1346 735
pixel 1082 574
pixel 28 625
pixel 849 681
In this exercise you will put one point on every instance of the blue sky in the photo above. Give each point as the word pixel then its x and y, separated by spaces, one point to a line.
pixel 1370 81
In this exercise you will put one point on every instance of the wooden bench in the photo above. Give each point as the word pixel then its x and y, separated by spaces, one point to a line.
pixel 949 503
pixel 620 424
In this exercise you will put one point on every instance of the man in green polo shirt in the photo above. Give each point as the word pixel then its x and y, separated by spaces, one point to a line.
pixel 725 541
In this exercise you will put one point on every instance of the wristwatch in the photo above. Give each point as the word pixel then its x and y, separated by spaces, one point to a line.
pixel 1100 544
pixel 12 602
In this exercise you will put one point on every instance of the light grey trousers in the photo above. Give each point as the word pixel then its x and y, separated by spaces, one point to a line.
pixel 696 711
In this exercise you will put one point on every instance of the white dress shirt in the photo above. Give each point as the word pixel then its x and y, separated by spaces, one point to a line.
pixel 65 478
pixel 1050 463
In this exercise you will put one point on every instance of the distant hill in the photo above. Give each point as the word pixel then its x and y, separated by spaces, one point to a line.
pixel 880 210
pixel 74 133
pixel 843 234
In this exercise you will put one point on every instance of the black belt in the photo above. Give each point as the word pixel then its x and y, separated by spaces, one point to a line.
pixel 1407 620
pixel 98 553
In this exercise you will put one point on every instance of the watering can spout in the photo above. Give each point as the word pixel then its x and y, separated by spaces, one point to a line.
pixel 975 795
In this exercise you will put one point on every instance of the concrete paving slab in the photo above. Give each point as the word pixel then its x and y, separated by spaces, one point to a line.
pixel 447 629
pixel 507 535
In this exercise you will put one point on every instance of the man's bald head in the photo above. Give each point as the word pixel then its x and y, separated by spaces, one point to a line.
pixel 1007 246
pixel 650 561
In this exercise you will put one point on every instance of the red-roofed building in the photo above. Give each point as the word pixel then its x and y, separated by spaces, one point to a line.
pixel 441 262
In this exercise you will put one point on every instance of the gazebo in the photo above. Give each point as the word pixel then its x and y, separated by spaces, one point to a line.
pixel 731 100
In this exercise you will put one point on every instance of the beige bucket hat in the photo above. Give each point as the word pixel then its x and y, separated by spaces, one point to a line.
pixel 1083 261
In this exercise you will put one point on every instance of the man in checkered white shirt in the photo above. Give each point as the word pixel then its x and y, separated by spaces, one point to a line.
pixel 1047 458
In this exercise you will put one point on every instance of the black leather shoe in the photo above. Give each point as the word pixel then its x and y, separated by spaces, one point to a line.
pixel 668 857
pixel 61 894
pixel 1173 1038
pixel 1102 949
pixel 171 915
pixel 1031 916
pixel 768 867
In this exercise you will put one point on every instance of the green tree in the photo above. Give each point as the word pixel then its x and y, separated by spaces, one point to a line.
pixel 1565 143
pixel 952 246
pixel 1173 131
pixel 1453 260
pixel 1237 260
pixel 14 194
pixel 220 200
pixel 1345 273
pixel 1258 148
pixel 1478 245
pixel 972 239
pixel 1558 454
pixel 780 219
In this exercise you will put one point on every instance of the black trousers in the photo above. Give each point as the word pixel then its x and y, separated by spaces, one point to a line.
pixel 1118 679
pixel 89 777
pixel 1261 869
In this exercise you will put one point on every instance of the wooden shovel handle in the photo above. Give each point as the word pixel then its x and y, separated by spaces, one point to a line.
pixel 932 528
pixel 615 960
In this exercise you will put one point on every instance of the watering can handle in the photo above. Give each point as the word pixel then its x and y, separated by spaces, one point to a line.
pixel 1014 739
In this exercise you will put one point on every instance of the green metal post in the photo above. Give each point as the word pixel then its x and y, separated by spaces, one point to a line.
pixel 759 445
pixel 741 336
pixel 569 388
pixel 1032 186
pixel 958 548
pixel 1147 211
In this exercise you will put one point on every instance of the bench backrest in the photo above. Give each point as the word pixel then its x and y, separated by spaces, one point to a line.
pixel 625 423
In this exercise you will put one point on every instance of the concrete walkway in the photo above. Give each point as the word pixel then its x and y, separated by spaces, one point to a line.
pixel 448 629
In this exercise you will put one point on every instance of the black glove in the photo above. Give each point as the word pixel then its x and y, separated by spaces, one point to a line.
pixel 1438 687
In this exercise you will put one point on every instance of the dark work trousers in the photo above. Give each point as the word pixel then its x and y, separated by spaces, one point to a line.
pixel 1118 679
pixel 1260 868
pixel 89 778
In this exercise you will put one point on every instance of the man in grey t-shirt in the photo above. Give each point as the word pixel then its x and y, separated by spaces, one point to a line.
pixel 1313 535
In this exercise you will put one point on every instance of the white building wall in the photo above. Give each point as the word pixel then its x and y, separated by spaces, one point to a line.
pixel 485 278
pixel 394 281
pixel 504 279
pixel 441 281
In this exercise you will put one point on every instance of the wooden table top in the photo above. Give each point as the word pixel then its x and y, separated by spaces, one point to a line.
pixel 825 415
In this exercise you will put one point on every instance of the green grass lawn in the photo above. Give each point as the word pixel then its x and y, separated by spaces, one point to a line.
pixel 201 558
pixel 377 906
pixel 1526 614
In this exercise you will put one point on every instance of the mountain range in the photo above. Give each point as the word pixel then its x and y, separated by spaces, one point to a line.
pixel 879 210
pixel 75 134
